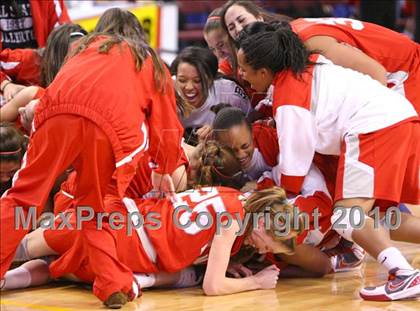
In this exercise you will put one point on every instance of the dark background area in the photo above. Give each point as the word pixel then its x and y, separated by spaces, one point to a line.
pixel 400 16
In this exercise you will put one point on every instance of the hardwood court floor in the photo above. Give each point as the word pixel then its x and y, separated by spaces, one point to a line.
pixel 334 292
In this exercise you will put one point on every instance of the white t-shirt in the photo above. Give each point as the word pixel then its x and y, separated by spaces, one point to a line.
pixel 223 91
pixel 258 165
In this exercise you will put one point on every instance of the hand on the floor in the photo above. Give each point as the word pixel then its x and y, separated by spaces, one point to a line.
pixel 238 270
pixel 268 277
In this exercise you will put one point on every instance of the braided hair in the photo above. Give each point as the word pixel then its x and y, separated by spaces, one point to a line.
pixel 218 166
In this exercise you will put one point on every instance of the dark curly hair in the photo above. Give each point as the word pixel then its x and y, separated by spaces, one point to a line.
pixel 274 47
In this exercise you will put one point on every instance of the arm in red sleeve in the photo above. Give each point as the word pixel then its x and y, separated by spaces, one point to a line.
pixel 165 129
pixel 7 67
pixel 64 17
pixel 57 14
pixel 265 181
pixel 22 66
pixel 46 15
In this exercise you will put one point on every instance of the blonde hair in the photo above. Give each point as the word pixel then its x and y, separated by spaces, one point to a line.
pixel 123 26
pixel 274 202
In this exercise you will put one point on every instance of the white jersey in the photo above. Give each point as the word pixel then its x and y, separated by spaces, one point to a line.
pixel 329 103
pixel 313 182
pixel 223 91
pixel 258 165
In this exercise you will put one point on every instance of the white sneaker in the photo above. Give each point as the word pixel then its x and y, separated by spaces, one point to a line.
pixel 399 286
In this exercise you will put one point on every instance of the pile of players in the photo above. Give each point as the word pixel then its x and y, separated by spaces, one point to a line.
pixel 287 149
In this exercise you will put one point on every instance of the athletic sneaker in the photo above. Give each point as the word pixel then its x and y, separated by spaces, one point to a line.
pixel 118 299
pixel 402 284
pixel 351 259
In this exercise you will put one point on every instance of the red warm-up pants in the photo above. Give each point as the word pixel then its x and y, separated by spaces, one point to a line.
pixel 61 141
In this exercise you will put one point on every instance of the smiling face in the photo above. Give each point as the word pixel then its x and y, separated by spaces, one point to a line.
pixel 260 79
pixel 188 82
pixel 239 139
pixel 217 40
pixel 236 18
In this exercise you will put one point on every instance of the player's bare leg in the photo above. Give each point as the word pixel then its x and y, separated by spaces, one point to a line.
pixel 404 280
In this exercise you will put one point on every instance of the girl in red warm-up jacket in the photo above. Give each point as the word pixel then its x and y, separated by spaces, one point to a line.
pixel 112 100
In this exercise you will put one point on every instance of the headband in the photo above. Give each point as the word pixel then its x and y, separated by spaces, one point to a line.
pixel 226 176
pixel 212 18
pixel 10 152
pixel 77 34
